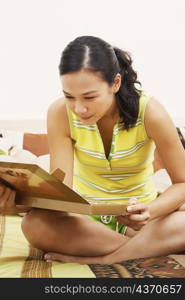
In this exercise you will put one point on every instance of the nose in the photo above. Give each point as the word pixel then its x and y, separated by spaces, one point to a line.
pixel 80 108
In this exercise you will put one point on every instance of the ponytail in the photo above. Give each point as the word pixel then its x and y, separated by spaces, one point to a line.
pixel 128 95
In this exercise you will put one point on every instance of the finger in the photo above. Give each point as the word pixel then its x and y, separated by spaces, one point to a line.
pixel 23 208
pixel 133 224
pixel 11 199
pixel 1 190
pixel 9 206
pixel 138 207
pixel 124 220
pixel 136 228
pixel 139 225
pixel 139 218
pixel 132 201
pixel 4 199
pixel 6 193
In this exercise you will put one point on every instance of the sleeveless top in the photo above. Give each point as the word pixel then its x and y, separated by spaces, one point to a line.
pixel 128 170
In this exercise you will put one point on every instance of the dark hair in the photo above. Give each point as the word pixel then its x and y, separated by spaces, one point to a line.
pixel 180 131
pixel 96 55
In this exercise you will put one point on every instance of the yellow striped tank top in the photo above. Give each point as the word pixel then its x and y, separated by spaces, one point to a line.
pixel 127 171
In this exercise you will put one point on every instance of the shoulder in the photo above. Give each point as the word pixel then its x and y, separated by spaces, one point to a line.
pixel 157 120
pixel 161 129
pixel 57 107
pixel 154 109
pixel 57 118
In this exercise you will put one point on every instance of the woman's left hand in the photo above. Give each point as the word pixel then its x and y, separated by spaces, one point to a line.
pixel 138 215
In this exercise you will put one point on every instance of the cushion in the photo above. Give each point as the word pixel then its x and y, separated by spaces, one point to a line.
pixel 36 143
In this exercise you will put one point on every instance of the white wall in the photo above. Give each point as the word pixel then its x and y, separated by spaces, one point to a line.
pixel 33 34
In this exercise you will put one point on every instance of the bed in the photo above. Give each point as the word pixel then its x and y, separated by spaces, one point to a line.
pixel 18 259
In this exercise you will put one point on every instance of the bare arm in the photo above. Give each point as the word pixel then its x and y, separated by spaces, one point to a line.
pixel 161 129
pixel 60 143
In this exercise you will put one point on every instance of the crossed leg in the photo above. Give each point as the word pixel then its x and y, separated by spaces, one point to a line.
pixel 162 236
pixel 78 235
pixel 69 233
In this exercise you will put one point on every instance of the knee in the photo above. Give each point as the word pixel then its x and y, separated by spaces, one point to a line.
pixel 33 228
pixel 50 231
pixel 172 226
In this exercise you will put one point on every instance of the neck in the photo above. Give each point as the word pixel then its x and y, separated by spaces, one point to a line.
pixel 113 113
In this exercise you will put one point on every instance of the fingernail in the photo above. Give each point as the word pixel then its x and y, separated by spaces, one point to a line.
pixel 129 208
pixel 133 200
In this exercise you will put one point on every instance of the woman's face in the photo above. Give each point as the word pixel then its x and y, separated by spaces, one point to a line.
pixel 89 96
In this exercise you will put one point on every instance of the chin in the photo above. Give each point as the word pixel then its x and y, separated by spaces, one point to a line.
pixel 88 122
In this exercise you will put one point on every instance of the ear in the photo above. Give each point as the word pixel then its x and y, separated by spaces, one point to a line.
pixel 117 83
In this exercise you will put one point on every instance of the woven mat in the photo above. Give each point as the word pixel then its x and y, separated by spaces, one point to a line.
pixel 19 259
pixel 158 267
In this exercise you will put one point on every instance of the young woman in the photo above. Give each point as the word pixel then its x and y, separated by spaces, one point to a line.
pixel 102 134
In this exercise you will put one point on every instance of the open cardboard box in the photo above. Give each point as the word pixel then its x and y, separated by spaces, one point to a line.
pixel 37 188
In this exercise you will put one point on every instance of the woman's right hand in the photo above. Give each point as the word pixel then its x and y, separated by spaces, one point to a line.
pixel 7 202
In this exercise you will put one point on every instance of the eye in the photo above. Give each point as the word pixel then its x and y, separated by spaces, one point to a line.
pixel 69 97
pixel 90 97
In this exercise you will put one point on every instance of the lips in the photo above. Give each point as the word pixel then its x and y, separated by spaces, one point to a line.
pixel 86 118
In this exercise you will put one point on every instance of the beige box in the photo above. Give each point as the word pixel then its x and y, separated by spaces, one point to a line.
pixel 37 188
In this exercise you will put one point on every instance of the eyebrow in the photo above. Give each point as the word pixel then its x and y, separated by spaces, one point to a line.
pixel 83 93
